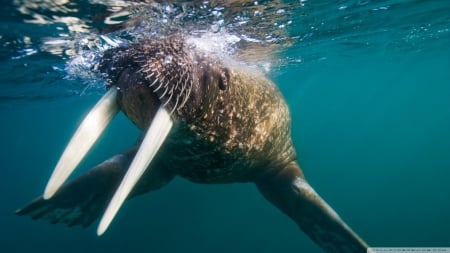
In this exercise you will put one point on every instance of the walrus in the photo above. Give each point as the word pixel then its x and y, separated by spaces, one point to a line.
pixel 204 119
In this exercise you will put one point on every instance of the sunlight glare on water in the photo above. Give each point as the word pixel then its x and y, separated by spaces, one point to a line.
pixel 79 33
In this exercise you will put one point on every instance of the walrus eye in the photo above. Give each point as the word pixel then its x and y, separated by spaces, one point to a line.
pixel 224 79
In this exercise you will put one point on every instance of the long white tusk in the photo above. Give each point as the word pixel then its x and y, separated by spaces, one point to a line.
pixel 154 138
pixel 83 139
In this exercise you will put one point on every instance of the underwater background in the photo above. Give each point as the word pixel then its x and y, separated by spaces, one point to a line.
pixel 367 83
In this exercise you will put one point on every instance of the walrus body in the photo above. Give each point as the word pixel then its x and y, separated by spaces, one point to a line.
pixel 231 124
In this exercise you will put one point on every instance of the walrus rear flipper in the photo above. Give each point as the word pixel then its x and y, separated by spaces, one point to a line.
pixel 81 201
pixel 290 192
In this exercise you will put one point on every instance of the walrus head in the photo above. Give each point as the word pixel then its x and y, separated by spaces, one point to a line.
pixel 166 72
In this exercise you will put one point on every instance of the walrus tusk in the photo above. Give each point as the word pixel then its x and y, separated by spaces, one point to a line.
pixel 155 136
pixel 84 138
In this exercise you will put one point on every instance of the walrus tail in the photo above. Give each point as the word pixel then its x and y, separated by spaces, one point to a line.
pixel 83 200
pixel 289 191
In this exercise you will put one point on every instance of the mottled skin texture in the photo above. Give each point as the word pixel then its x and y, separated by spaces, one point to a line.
pixel 231 125
pixel 207 144
pixel 211 148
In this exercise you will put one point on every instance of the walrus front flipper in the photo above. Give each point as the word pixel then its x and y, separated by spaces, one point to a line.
pixel 82 200
pixel 290 192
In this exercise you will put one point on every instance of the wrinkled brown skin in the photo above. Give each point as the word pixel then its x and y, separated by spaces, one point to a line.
pixel 233 127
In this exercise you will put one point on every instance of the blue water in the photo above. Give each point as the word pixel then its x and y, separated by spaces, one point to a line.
pixel 368 85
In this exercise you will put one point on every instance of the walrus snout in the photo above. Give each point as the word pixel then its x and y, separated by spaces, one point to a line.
pixel 137 101
pixel 134 97
pixel 165 67
pixel 176 72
